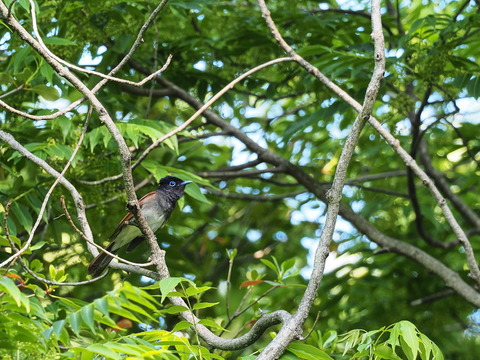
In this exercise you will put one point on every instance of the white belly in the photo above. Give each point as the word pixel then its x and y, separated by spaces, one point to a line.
pixel 130 232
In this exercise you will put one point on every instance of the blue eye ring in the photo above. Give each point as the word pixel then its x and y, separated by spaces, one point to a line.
pixel 172 183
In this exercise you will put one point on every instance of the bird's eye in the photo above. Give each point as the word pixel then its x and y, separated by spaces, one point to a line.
pixel 172 183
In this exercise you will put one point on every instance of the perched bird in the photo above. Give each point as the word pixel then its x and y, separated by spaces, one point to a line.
pixel 156 207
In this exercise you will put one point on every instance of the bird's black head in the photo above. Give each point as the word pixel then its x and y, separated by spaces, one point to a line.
pixel 172 186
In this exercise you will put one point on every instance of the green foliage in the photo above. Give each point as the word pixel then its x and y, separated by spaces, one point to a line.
pixel 48 325
pixel 52 326
pixel 432 53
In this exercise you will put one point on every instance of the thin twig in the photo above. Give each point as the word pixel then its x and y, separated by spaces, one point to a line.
pixel 390 139
pixel 258 198
pixel 10 7
pixel 235 174
pixel 333 196
pixel 42 117
pixel 205 106
pixel 239 312
pixel 78 68
pixel 49 193
pixel 79 232
pixel 27 269
pixel 379 176
pixel 433 297
pixel 97 87
pixel 18 88
pixel 305 337
pixel 229 284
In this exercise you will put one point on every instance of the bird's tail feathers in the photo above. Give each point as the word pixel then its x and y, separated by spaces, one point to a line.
pixel 102 260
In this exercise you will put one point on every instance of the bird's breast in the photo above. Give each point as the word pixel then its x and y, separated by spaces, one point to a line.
pixel 155 215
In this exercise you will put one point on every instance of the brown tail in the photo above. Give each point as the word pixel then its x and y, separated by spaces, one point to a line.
pixel 102 260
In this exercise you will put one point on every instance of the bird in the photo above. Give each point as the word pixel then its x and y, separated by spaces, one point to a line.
pixel 156 206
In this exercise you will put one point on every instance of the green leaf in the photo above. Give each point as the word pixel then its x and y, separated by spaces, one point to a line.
pixel 473 86
pixel 383 351
pixel 231 253
pixel 186 175
pixel 9 286
pixel 121 311
pixel 101 304
pixel 104 351
pixel 270 265
pixel 352 340
pixel 437 353
pixel 37 246
pixel 64 124
pixel 329 337
pixel 425 347
pixel 58 326
pixel 167 285
pixel 212 324
pixel 203 305
pixel 46 71
pixel 193 290
pixel 47 92
pixel 152 167
pixel 176 309
pixel 22 214
pixel 288 264
pixel 75 319
pixel 52 271
pixel 408 332
pixel 141 297
pixel 24 55
pixel 54 40
pixel 182 325
pixel 5 78
pixel 193 190
pixel 308 352
pixel 394 334
pixel 313 50
pixel 86 313
pixel 124 348
pixel 93 137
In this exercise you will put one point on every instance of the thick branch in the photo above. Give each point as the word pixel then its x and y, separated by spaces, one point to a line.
pixel 439 178
pixel 334 196
pixel 316 188
pixel 80 205
pixel 395 144
pixel 235 174
pixel 96 104
pixel 451 278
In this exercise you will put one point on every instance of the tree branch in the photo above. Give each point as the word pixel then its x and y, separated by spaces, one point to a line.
pixel 257 198
pixel 395 144
pixel 235 174
pixel 27 269
pixel 439 178
pixel 86 71
pixel 77 230
pixel 80 205
pixel 290 331
pixel 317 188
pixel 199 112
pixel 103 114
